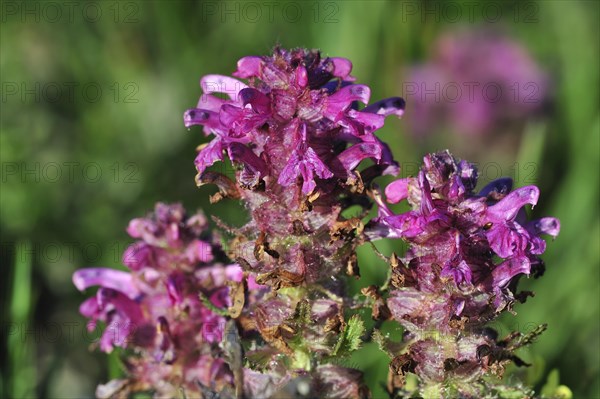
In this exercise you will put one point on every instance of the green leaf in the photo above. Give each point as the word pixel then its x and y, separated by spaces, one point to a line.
pixel 386 345
pixel 350 339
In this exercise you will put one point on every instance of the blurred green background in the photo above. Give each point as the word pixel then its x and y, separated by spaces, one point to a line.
pixel 92 136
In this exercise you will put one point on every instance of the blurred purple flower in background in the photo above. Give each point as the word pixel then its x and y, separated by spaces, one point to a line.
pixel 475 82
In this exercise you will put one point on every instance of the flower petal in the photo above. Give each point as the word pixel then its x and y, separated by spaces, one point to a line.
pixel 342 68
pixel 259 101
pixel 497 189
pixel 397 190
pixel 509 206
pixel 242 154
pixel 460 272
pixel 388 106
pixel 221 84
pixel 248 67
pixel 507 239
pixel 138 256
pixel 505 271
pixel 210 154
pixel 109 278
pixel 547 225
pixel 196 116
pixel 351 157
pixel 211 103
pixel 342 99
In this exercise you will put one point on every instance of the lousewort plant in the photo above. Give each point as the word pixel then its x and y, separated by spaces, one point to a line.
pixel 263 310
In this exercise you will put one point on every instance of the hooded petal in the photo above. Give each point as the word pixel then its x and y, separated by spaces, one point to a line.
pixel 248 67
pixel 210 154
pixel 342 68
pixel 388 106
pixel 221 84
pixel 505 271
pixel 209 119
pixel 244 155
pixel 342 99
pixel 397 190
pixel 353 156
pixel 547 225
pixel 497 189
pixel 509 206
pixel 259 101
pixel 111 299
pixel 138 256
pixel 108 278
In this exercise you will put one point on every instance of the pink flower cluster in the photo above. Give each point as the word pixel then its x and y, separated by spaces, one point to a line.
pixel 155 308
pixel 466 253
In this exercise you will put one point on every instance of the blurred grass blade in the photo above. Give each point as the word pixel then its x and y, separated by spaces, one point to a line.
pixel 22 362
pixel 530 154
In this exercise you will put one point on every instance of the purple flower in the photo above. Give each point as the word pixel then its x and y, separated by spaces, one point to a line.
pixel 155 308
pixel 297 130
pixel 292 121
pixel 474 82
pixel 450 280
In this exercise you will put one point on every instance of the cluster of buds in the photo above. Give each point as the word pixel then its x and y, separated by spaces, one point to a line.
pixel 267 314
pixel 466 254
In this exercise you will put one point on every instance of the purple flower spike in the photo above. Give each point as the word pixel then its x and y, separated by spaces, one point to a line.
pixel 450 280
pixel 285 90
pixel 156 309
pixel 297 136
